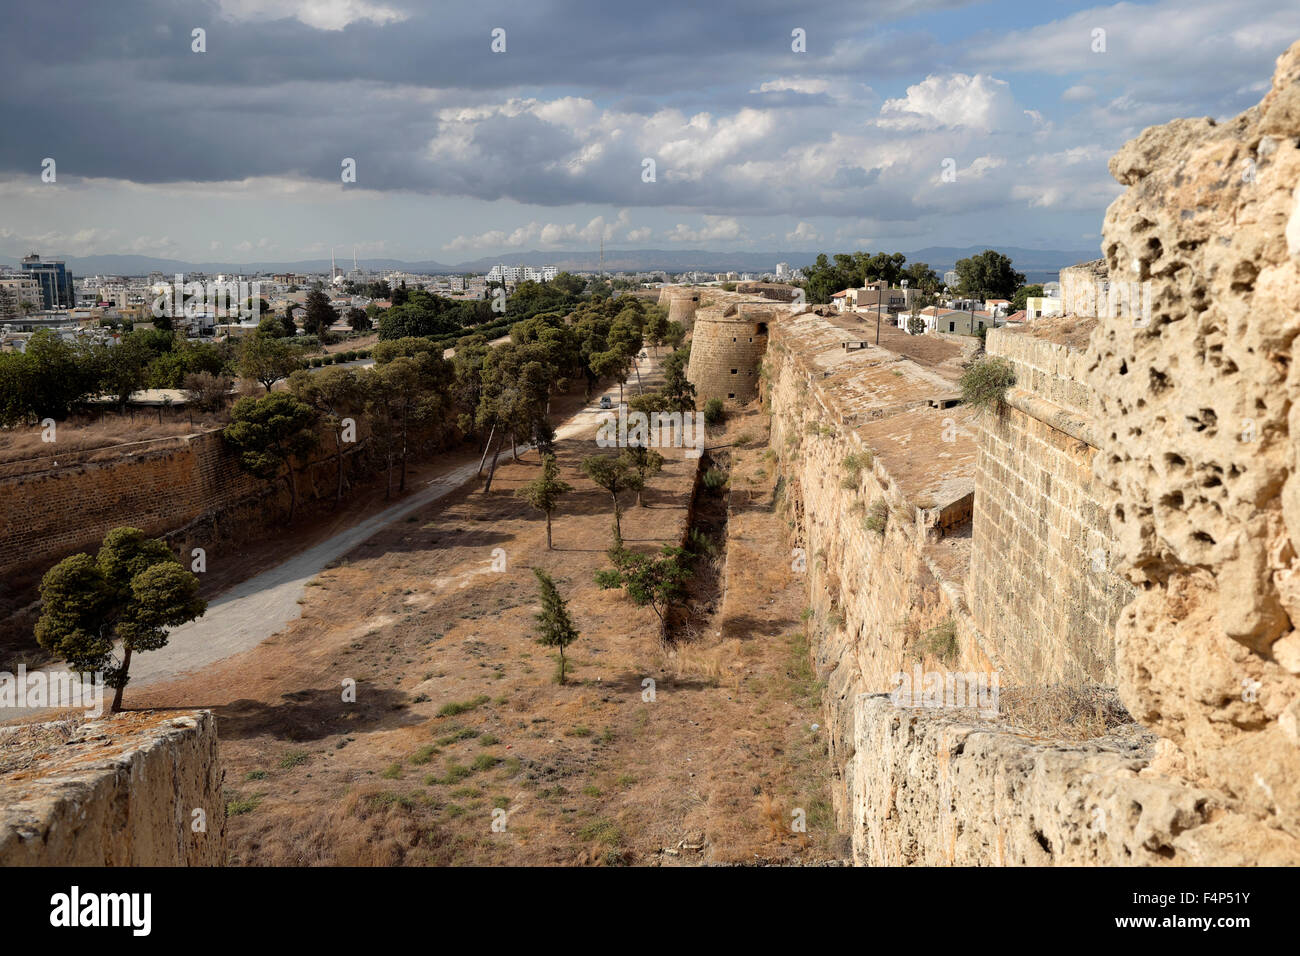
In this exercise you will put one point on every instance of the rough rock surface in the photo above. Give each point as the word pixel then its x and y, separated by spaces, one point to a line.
pixel 1199 421
pixel 118 791
pixel 944 788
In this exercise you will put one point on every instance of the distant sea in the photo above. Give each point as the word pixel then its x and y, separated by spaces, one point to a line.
pixel 1039 277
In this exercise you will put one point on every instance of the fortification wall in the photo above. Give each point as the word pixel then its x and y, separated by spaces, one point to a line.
pixel 1085 288
pixel 117 791
pixel 55 512
pixel 873 593
pixel 1041 582
pixel 682 307
pixel 1199 412
pixel 944 788
pixel 191 491
pixel 727 347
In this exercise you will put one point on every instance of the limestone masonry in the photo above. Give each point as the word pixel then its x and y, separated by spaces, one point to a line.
pixel 1129 520
pixel 135 789
pixel 729 339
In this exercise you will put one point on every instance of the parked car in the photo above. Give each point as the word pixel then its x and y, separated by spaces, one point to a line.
pixel 605 402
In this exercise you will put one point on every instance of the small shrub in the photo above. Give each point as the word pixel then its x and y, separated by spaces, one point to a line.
pixel 985 382
pixel 242 805
pixel 941 641
pixel 602 831
pixel 293 759
pixel 455 773
pixel 424 754
pixel 853 467
pixel 714 412
pixel 877 519
pixel 454 708
pixel 392 771
pixel 714 479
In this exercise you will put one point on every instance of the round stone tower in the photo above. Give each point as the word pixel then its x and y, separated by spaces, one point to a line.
pixel 726 348
pixel 682 306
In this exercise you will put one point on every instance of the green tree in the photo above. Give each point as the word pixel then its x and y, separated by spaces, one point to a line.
pixel 988 275
pixel 320 314
pixel 615 475
pixel 267 360
pixel 132 592
pixel 554 626
pixel 676 387
pixel 645 463
pixel 1025 292
pixel 658 581
pixel 269 432
pixel 124 367
pixel 544 492
pixel 335 394
pixel 358 321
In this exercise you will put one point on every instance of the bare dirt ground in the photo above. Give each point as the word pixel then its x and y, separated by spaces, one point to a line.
pixel 929 351
pixel 458 724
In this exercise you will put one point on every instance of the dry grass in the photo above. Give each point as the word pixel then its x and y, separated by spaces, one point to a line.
pixel 1064 711
pixel 77 436
pixel 717 664
pixel 370 826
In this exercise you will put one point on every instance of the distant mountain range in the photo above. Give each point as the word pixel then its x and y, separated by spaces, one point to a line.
pixel 1033 262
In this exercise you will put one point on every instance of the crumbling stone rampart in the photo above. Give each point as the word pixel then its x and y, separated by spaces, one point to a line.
pixel 1198 413
pixel 134 789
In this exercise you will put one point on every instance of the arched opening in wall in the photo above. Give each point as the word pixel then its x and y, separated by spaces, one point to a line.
pixel 760 329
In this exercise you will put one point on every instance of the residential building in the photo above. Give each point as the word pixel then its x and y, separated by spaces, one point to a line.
pixel 1038 306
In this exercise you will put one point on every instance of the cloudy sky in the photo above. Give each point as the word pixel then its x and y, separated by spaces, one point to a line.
pixel 236 153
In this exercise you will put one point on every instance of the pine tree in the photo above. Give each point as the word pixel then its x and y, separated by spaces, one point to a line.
pixel 132 592
pixel 554 628
pixel 544 492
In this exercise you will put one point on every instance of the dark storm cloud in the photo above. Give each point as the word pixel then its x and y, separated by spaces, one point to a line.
pixel 113 89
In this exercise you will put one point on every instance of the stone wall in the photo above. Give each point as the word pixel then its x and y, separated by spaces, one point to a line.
pixel 52 513
pixel 873 593
pixel 117 791
pixel 935 788
pixel 727 346
pixel 1041 585
pixel 682 306
pixel 190 490
pixel 1183 413
pixel 1199 413
pixel 1085 288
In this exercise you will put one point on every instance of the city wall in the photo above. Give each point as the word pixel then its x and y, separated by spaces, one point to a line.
pixel 1042 585
pixel 134 789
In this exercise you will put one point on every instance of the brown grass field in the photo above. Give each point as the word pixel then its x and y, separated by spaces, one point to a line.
pixel 459 724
